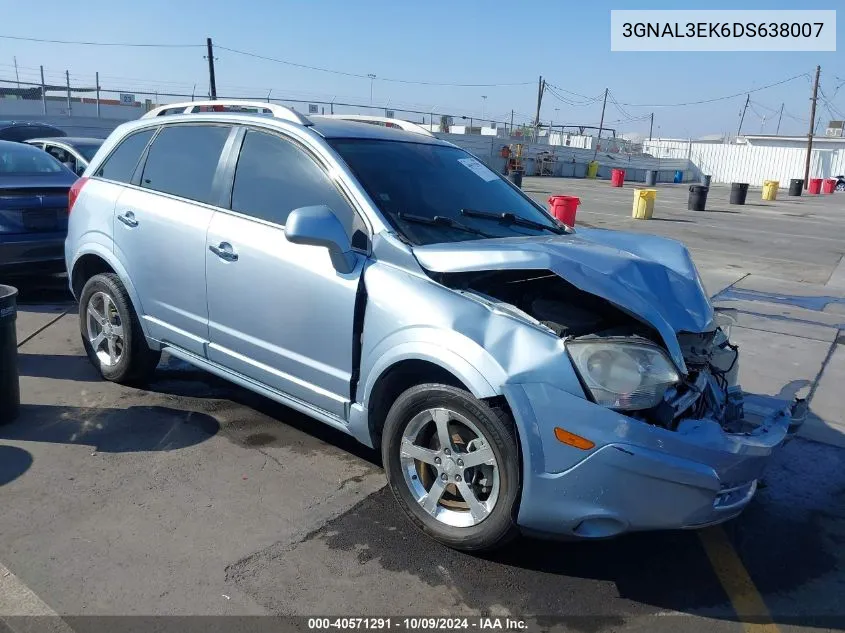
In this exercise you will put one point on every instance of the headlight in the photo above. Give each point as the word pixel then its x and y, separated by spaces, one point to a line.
pixel 623 374
pixel 725 319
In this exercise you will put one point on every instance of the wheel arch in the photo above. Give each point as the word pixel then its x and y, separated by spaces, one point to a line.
pixel 95 259
pixel 416 364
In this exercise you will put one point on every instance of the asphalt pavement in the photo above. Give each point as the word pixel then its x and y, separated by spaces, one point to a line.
pixel 196 498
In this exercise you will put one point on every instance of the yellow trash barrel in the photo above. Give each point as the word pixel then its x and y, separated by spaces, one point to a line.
pixel 592 169
pixel 643 207
pixel 770 189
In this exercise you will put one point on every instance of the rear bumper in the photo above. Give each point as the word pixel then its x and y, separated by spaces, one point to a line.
pixel 638 476
pixel 32 253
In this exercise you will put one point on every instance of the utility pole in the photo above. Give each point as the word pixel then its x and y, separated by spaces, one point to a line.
pixel 17 78
pixel 67 79
pixel 372 78
pixel 779 118
pixel 812 121
pixel 601 124
pixel 742 118
pixel 511 132
pixel 97 82
pixel 212 83
pixel 541 88
pixel 43 93
pixel 651 126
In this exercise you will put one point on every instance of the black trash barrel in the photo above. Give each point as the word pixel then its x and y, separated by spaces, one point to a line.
pixel 795 186
pixel 516 178
pixel 697 197
pixel 10 395
pixel 705 180
pixel 738 192
pixel 650 178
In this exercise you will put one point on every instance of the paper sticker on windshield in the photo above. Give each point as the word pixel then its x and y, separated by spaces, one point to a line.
pixel 478 168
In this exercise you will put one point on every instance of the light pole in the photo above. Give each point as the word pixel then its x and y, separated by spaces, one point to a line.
pixel 557 116
pixel 483 101
pixel 372 77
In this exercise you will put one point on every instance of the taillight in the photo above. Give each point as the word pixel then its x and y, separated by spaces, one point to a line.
pixel 73 194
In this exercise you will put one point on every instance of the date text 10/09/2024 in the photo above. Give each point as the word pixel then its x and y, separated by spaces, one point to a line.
pixel 418 624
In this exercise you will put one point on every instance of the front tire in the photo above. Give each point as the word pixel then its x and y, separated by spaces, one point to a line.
pixel 111 332
pixel 452 462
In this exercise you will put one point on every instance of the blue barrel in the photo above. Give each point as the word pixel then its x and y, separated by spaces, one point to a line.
pixel 679 176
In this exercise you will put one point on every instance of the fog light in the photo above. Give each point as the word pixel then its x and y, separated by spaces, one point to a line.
pixel 570 439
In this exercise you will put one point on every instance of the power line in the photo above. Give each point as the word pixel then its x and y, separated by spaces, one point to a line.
pixel 366 76
pixel 554 91
pixel 84 43
pixel 733 96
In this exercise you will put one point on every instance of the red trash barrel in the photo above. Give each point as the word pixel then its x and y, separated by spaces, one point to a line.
pixel 617 177
pixel 564 208
pixel 829 185
pixel 815 186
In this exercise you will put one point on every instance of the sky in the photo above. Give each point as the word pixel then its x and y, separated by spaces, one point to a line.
pixel 506 45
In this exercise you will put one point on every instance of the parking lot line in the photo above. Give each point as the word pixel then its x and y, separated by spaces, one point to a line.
pixel 742 592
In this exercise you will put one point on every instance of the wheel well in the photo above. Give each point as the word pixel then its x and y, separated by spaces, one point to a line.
pixel 397 379
pixel 86 267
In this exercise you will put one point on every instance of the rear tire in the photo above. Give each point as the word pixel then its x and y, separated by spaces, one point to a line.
pixel 464 492
pixel 111 332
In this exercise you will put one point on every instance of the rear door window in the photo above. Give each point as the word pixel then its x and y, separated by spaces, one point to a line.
pixel 183 161
pixel 120 165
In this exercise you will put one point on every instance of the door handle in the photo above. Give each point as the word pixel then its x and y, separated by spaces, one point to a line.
pixel 128 219
pixel 224 251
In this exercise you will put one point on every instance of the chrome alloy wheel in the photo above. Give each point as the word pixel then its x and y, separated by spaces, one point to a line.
pixel 449 467
pixel 105 330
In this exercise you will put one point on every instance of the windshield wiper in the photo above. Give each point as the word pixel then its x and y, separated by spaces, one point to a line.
pixel 441 220
pixel 511 218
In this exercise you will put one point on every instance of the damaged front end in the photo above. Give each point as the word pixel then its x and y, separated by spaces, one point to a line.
pixel 671 441
pixel 621 361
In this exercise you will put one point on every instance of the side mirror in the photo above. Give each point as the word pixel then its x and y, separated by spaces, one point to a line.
pixel 319 226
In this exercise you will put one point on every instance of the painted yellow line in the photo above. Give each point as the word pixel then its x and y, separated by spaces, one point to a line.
pixel 746 599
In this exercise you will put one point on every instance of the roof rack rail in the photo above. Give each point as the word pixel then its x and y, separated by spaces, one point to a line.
pixel 381 120
pixel 230 106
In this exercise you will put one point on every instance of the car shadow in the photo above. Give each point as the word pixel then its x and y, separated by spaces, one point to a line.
pixel 14 462
pixel 57 366
pixel 110 430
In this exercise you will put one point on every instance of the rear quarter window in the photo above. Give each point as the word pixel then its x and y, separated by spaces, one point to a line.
pixel 121 163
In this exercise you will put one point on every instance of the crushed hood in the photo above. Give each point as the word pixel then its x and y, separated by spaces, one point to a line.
pixel 650 277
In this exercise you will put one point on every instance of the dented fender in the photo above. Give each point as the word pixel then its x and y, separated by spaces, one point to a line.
pixel 409 316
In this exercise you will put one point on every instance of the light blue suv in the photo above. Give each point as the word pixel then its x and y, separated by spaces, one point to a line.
pixel 516 374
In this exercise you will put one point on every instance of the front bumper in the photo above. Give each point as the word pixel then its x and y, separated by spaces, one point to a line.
pixel 638 476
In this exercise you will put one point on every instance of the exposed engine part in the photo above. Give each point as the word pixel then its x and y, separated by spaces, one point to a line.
pixel 552 301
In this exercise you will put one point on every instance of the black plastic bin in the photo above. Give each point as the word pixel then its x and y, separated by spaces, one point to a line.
pixel 650 178
pixel 10 395
pixel 697 197
pixel 739 190
pixel 795 186
pixel 516 178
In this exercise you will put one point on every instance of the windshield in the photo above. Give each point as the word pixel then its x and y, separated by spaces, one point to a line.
pixel 414 182
pixel 88 150
pixel 17 158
